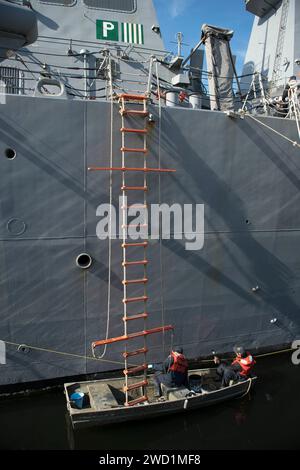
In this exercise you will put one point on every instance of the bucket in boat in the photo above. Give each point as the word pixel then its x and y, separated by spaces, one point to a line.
pixel 77 399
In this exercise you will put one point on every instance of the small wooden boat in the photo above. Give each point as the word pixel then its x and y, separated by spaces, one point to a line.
pixel 104 399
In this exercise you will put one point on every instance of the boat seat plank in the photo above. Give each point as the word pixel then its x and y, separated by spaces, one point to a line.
pixel 172 390
pixel 101 396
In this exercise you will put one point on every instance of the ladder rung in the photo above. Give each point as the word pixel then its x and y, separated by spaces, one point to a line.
pixel 134 370
pixel 136 317
pixel 134 263
pixel 129 96
pixel 137 401
pixel 132 335
pixel 134 112
pixel 134 188
pixel 134 131
pixel 141 244
pixel 135 353
pixel 129 300
pixel 135 281
pixel 136 385
pixel 131 150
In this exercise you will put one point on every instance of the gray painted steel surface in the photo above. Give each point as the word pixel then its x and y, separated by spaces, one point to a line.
pixel 246 176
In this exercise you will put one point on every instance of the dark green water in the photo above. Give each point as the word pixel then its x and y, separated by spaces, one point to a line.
pixel 268 419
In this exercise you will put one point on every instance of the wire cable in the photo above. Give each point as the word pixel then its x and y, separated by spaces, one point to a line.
pixel 294 143
pixel 110 207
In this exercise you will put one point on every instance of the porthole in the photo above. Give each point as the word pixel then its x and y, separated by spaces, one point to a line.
pixel 10 153
pixel 83 261
pixel 16 226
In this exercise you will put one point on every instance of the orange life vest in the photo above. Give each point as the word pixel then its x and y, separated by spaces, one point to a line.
pixel 180 363
pixel 245 363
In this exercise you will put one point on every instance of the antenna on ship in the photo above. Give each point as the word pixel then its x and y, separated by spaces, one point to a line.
pixel 176 61
pixel 179 41
pixel 179 37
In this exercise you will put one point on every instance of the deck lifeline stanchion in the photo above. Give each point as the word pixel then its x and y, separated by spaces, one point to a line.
pixel 127 245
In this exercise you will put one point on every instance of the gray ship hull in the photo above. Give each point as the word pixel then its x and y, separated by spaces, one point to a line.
pixel 246 176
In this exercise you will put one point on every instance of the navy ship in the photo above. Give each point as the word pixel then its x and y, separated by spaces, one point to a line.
pixel 85 83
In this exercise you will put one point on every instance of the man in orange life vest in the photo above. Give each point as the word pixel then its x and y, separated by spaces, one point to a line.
pixel 174 371
pixel 239 369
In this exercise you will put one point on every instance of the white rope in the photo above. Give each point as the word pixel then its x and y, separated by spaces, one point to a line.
pixel 62 353
pixel 248 389
pixel 294 105
pixel 110 207
pixel 150 75
pixel 294 143
pixel 92 358
pixel 248 94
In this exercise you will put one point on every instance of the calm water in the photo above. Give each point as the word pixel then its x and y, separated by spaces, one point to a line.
pixel 269 419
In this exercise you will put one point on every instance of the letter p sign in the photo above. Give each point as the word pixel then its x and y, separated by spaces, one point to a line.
pixel 107 30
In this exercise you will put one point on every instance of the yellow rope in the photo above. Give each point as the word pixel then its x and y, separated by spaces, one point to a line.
pixel 62 353
pixel 91 358
pixel 275 352
pixel 261 355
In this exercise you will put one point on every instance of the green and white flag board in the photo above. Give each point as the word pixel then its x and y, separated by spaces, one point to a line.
pixel 131 33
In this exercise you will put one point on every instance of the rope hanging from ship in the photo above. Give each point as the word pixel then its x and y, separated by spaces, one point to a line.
pixel 29 347
pixel 293 142
pixel 110 215
pixel 159 201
